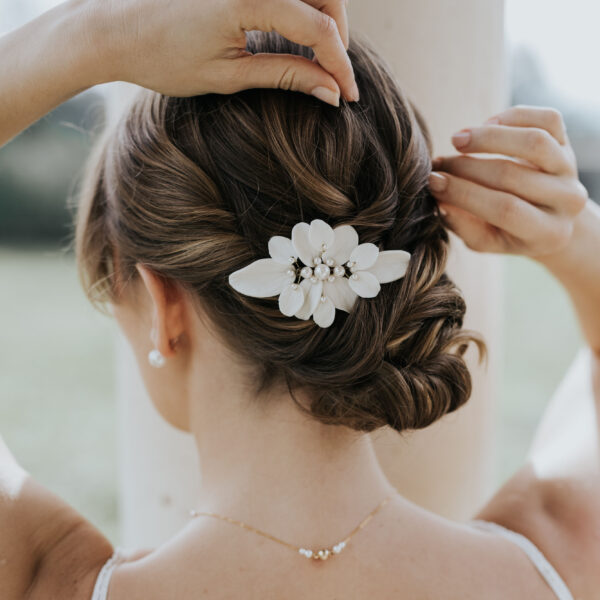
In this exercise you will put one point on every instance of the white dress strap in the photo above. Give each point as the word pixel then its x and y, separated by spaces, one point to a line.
pixel 546 570
pixel 103 581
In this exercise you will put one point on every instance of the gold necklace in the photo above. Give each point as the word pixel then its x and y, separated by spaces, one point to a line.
pixel 322 554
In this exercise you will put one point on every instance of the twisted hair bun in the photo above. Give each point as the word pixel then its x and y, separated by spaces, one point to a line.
pixel 195 187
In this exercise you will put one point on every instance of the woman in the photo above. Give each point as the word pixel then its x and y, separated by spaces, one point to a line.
pixel 191 208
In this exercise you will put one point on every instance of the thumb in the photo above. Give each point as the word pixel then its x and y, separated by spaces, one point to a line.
pixel 287 72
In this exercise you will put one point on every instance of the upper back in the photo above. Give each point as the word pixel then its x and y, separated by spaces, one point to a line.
pixel 423 556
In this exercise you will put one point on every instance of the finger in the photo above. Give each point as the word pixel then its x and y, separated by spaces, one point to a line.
pixel 549 119
pixel 500 209
pixel 303 24
pixel 529 143
pixel 337 9
pixel 285 71
pixel 566 195
pixel 475 232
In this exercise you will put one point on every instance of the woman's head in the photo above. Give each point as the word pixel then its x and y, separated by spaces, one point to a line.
pixel 193 188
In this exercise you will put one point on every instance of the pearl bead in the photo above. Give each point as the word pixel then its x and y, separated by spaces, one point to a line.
pixel 306 272
pixel 317 260
pixel 322 271
pixel 156 359
pixel 324 246
pixel 330 262
pixel 339 547
pixel 294 286
pixel 339 271
pixel 314 279
pixel 354 276
pixel 323 299
pixel 352 269
pixel 292 259
pixel 290 272
pixel 331 278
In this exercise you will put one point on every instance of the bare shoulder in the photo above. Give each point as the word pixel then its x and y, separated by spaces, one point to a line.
pixel 47 549
pixel 561 516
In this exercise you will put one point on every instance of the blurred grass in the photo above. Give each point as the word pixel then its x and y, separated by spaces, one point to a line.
pixel 57 409
pixel 57 412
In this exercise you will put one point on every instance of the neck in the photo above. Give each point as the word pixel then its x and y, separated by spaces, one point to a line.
pixel 265 462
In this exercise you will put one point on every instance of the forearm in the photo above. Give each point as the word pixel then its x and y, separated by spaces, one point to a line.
pixel 44 63
pixel 578 269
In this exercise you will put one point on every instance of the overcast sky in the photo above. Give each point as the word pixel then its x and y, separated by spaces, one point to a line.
pixel 565 35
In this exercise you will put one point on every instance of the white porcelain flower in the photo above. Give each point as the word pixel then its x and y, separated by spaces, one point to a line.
pixel 335 270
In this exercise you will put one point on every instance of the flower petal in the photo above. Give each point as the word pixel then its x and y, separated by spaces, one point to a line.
pixel 345 240
pixel 302 243
pixel 324 313
pixel 365 285
pixel 281 248
pixel 312 297
pixel 340 293
pixel 320 233
pixel 262 278
pixel 291 299
pixel 364 255
pixel 390 265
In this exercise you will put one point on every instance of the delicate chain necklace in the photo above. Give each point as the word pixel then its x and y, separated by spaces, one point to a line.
pixel 322 554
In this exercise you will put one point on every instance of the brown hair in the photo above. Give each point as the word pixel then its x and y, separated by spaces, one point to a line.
pixel 194 188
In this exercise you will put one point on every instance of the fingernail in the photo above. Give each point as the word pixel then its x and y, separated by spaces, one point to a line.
pixel 436 163
pixel 493 121
pixel 442 210
pixel 437 182
pixel 326 95
pixel 354 95
pixel 461 139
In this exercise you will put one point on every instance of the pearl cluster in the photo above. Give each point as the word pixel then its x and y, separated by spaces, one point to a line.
pixel 322 554
pixel 324 268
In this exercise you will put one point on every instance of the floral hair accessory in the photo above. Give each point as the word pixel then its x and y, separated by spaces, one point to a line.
pixel 335 270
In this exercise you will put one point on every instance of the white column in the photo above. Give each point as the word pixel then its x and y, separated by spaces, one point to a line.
pixel 158 464
pixel 449 58
pixel 158 467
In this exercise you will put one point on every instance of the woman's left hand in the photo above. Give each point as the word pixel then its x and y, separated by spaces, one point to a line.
pixel 522 202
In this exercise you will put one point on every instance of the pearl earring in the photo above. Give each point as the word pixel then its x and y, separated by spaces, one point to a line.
pixel 156 359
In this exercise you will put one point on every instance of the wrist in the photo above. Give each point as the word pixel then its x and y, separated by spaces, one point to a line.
pixel 583 247
pixel 84 26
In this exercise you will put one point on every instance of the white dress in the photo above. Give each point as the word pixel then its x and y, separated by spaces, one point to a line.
pixel 546 570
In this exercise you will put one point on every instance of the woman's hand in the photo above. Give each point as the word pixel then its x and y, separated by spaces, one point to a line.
pixel 531 203
pixel 189 47
pixel 179 47
pixel 525 201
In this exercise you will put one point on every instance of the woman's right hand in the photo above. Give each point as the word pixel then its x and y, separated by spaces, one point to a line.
pixel 179 48
pixel 523 202
pixel 189 47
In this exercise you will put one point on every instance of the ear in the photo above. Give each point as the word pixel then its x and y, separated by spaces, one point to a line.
pixel 167 310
